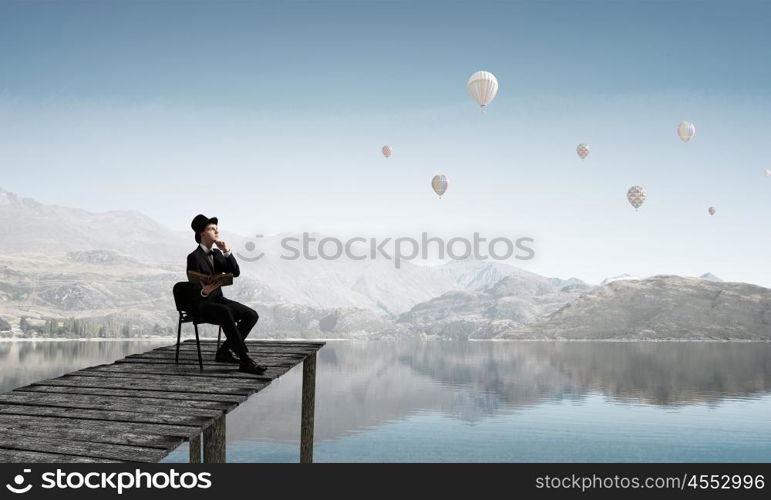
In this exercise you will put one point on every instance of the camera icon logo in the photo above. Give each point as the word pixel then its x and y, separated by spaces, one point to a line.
pixel 18 480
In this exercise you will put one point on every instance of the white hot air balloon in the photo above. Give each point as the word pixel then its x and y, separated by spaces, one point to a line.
pixel 387 150
pixel 711 210
pixel 636 196
pixel 686 131
pixel 767 172
pixel 482 86
pixel 583 150
pixel 439 184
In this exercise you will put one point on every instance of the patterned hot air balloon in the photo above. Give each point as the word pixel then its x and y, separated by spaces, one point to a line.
pixel 636 196
pixel 767 172
pixel 482 86
pixel 711 210
pixel 439 184
pixel 387 150
pixel 686 131
pixel 583 150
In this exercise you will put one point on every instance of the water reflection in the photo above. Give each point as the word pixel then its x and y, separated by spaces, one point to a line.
pixel 364 385
pixel 662 373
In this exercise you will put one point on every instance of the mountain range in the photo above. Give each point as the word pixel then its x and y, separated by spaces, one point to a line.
pixel 66 271
pixel 659 308
pixel 103 272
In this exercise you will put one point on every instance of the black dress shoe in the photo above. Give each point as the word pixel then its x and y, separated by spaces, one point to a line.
pixel 246 348
pixel 225 356
pixel 251 367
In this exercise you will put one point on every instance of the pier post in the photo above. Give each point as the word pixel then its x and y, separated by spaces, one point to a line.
pixel 214 442
pixel 195 449
pixel 308 409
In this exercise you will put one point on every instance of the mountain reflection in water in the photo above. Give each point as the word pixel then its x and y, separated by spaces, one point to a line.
pixel 364 386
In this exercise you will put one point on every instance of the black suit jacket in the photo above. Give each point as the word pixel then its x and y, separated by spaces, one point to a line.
pixel 199 262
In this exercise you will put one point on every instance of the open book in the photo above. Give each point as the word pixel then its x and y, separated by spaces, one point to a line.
pixel 224 279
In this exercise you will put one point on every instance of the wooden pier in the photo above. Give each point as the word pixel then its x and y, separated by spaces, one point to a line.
pixel 144 406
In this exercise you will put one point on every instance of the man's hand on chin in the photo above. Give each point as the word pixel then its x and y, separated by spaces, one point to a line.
pixel 222 246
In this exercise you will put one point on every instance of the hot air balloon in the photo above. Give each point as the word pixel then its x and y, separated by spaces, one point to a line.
pixel 686 131
pixel 387 150
pixel 711 210
pixel 482 86
pixel 439 183
pixel 767 172
pixel 583 150
pixel 636 196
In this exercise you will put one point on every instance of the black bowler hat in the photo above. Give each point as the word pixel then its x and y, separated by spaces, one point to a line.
pixel 199 224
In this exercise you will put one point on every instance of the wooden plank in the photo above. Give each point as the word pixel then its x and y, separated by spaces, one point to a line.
pixel 102 403
pixel 210 357
pixel 191 347
pixel 193 377
pixel 116 416
pixel 182 370
pixel 193 356
pixel 16 441
pixel 224 371
pixel 193 352
pixel 148 383
pixel 92 434
pixel 19 456
pixel 135 393
pixel 208 365
pixel 311 343
pixel 154 401
pixel 284 346
pixel 256 343
pixel 252 353
pixel 147 379
pixel 261 341
pixel 169 358
pixel 56 422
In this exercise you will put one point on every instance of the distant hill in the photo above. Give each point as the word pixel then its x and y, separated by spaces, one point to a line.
pixel 515 300
pixel 660 307
pixel 51 229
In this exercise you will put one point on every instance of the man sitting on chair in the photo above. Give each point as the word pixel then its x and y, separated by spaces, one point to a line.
pixel 209 305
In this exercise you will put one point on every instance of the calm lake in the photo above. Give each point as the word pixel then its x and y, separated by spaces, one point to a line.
pixel 486 401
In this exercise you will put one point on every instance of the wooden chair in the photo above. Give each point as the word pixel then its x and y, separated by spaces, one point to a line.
pixel 182 293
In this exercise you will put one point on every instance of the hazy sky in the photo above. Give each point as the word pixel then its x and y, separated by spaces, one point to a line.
pixel 272 118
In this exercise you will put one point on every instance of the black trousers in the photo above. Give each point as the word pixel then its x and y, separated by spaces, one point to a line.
pixel 236 320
